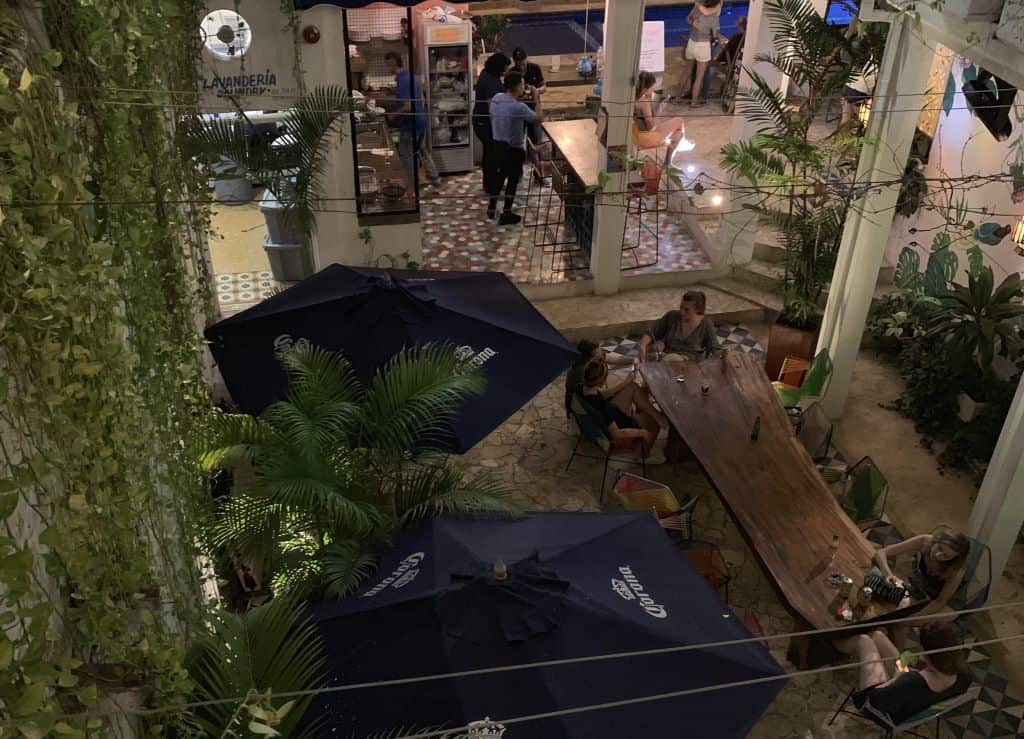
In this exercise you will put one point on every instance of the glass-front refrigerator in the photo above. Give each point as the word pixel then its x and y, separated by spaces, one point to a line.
pixel 447 66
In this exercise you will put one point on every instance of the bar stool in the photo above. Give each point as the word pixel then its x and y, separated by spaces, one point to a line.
pixel 637 192
pixel 555 240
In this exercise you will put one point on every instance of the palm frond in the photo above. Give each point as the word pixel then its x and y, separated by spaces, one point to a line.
pixel 268 648
pixel 432 488
pixel 231 438
pixel 249 524
pixel 409 402
pixel 314 119
pixel 344 565
pixel 764 104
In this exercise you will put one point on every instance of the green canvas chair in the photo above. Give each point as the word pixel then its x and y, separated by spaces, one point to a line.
pixel 865 491
pixel 813 385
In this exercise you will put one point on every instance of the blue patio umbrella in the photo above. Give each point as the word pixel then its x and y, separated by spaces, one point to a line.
pixel 579 584
pixel 371 314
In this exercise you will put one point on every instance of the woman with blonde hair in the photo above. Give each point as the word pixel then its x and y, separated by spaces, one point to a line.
pixel 651 131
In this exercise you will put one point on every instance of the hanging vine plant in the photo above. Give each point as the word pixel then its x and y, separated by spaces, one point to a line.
pixel 105 281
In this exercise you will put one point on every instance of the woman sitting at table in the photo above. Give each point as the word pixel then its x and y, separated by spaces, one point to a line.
pixel 651 131
pixel 890 690
pixel 619 426
pixel 938 571
pixel 627 395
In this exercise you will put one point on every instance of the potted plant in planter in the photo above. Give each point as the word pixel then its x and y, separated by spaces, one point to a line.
pixel 979 324
pixel 793 174
pixel 291 167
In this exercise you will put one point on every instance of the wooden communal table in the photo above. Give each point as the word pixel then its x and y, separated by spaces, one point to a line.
pixel 770 486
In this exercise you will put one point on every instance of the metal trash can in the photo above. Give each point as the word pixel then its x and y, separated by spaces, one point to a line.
pixel 230 190
pixel 288 262
pixel 281 229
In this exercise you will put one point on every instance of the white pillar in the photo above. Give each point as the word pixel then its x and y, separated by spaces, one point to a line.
pixel 998 512
pixel 623 26
pixel 905 67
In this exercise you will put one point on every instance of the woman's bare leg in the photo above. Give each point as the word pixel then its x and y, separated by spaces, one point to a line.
pixel 669 126
pixel 698 81
pixel 863 649
pixel 886 650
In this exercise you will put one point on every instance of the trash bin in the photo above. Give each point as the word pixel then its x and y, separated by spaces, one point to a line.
pixel 230 190
pixel 281 230
pixel 288 262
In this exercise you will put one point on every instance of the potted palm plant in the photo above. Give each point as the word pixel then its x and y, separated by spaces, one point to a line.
pixel 291 167
pixel 794 173
pixel 338 466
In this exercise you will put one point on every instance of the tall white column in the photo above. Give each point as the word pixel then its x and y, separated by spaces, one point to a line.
pixel 905 67
pixel 623 26
pixel 998 512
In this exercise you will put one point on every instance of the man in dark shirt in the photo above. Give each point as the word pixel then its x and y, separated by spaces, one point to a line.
pixel 727 55
pixel 534 79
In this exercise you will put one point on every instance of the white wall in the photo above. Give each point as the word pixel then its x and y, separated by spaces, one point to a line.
pixel 964 147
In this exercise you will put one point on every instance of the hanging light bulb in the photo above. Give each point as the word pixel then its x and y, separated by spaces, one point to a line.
pixel 1018 235
pixel 864 113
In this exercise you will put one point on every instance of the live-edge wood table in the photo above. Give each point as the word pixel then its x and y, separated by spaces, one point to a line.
pixel 770 485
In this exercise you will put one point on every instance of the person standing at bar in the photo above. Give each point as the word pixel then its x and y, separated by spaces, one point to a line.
pixel 534 79
pixel 411 122
pixel 509 118
pixel 488 84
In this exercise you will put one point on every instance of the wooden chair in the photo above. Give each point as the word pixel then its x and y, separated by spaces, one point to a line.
pixel 594 436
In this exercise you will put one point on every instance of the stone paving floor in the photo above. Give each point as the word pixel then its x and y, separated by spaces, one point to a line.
pixel 530 451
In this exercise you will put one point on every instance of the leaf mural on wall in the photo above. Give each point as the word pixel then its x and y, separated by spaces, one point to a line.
pixel 975 261
pixel 908 270
pixel 941 269
pixel 949 95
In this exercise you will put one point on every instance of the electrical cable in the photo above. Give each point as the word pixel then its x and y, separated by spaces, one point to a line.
pixel 567 661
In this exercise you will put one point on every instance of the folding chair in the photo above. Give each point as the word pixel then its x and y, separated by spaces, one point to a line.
pixel 592 433
pixel 814 431
pixel 934 713
pixel 977 583
pixel 635 493
pixel 864 494
pixel 813 383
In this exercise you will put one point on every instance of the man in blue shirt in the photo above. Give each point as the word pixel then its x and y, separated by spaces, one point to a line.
pixel 411 121
pixel 509 116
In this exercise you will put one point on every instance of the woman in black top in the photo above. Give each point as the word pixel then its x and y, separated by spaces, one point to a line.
pixel 888 689
pixel 488 85
pixel 939 559
pixel 619 427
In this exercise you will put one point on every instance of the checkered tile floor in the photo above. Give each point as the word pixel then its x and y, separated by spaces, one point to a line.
pixel 236 292
pixel 992 713
pixel 736 337
pixel 458 235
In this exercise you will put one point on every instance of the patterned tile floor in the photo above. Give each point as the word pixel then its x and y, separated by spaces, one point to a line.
pixel 735 336
pixel 236 292
pixel 458 235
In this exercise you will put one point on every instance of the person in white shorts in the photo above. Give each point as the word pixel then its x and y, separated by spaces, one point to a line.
pixel 703 21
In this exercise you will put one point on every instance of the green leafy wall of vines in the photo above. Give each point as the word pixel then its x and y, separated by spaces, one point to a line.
pixel 101 383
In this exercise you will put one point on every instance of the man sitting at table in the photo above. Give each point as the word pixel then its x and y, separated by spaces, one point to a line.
pixel 620 427
pixel 686 332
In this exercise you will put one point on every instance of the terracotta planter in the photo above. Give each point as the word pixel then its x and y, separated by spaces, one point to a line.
pixel 785 341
